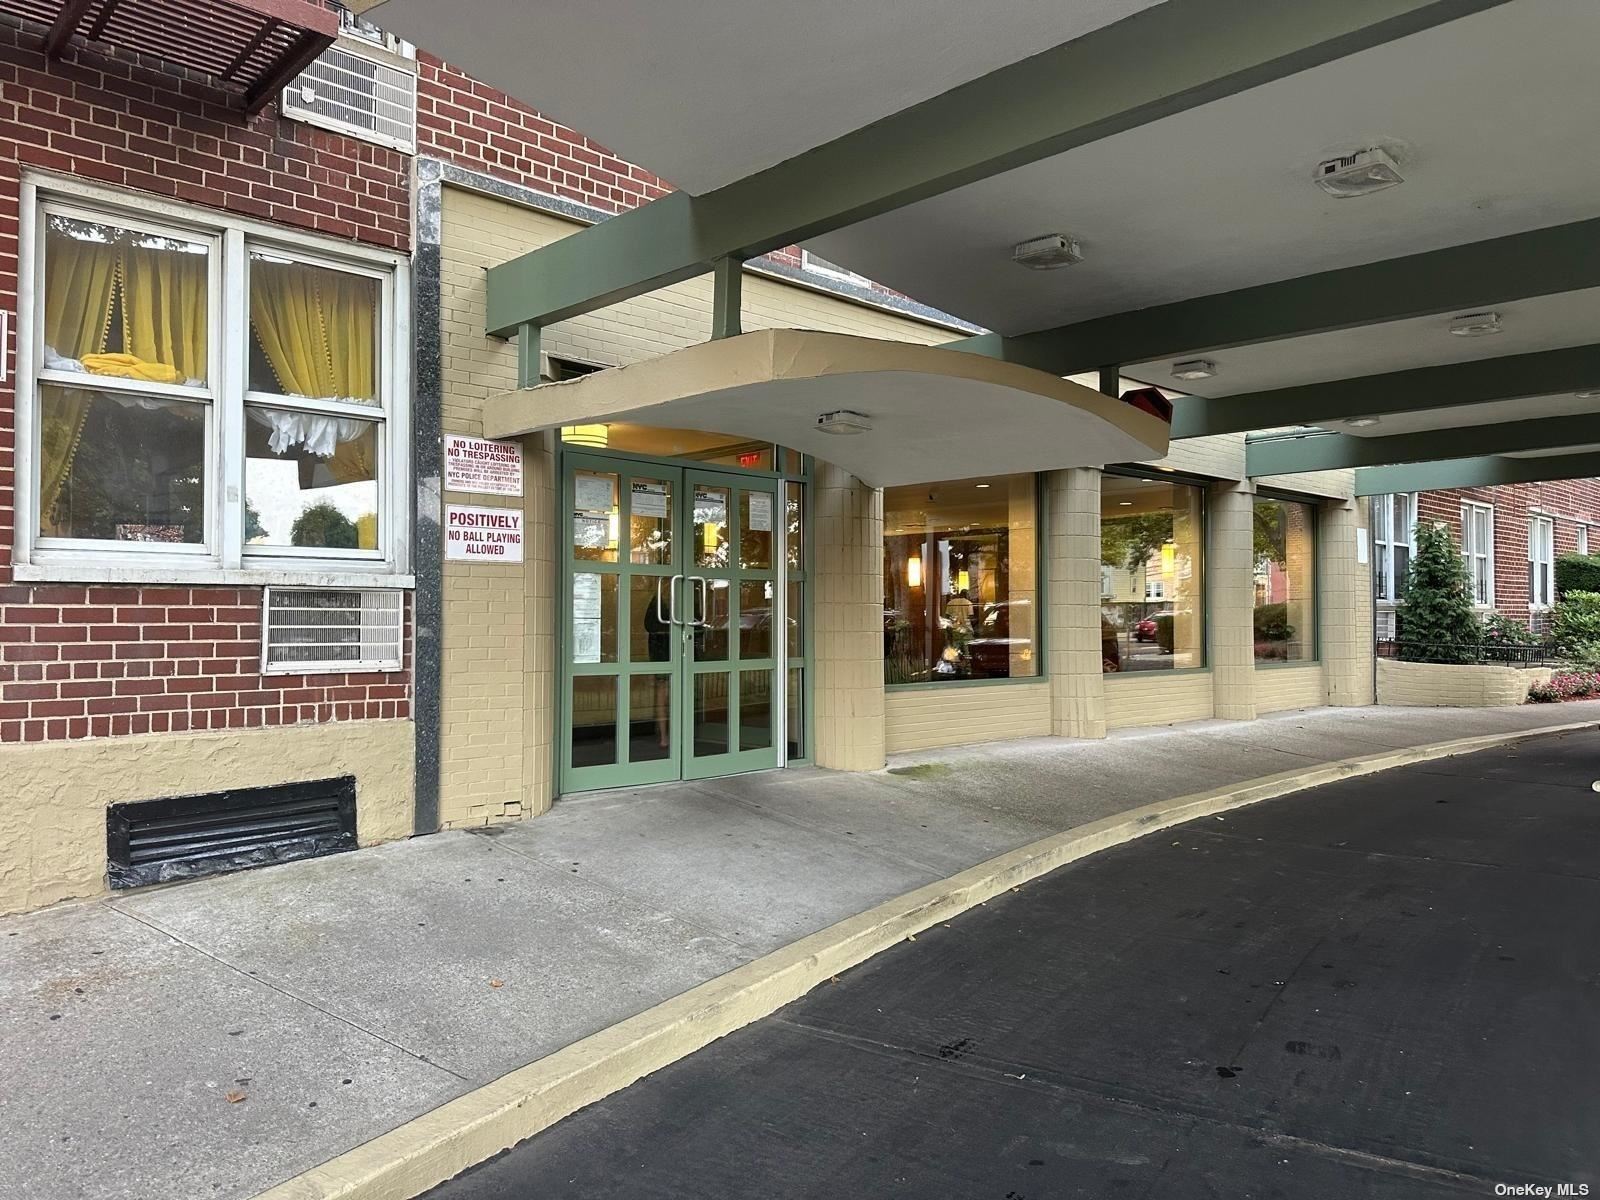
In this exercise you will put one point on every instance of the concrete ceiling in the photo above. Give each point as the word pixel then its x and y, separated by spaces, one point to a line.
pixel 704 92
pixel 1488 116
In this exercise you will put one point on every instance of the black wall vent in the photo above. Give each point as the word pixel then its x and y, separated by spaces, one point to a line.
pixel 152 841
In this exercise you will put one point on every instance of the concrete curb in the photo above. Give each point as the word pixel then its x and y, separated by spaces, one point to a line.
pixel 440 1144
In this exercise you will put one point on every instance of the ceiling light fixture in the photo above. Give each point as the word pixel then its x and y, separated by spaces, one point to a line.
pixel 1360 173
pixel 1124 503
pixel 981 485
pixel 843 421
pixel 1194 368
pixel 1592 394
pixel 1475 324
pixel 1047 253
pixel 1361 422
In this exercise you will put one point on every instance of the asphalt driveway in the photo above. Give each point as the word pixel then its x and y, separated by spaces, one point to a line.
pixel 1387 987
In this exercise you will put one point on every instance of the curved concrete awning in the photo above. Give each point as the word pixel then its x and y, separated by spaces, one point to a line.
pixel 934 414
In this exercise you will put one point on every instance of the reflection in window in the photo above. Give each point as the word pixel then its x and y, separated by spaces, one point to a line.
pixel 959 578
pixel 1285 581
pixel 1152 579
pixel 134 470
pixel 310 480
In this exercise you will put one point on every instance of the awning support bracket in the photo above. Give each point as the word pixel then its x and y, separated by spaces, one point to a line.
pixel 529 342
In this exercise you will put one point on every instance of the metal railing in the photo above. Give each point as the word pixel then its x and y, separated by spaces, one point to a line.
pixel 1471 653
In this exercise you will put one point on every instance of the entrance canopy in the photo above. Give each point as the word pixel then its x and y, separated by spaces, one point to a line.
pixel 1294 214
pixel 910 412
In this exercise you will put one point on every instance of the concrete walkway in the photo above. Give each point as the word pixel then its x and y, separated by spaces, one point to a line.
pixel 211 1039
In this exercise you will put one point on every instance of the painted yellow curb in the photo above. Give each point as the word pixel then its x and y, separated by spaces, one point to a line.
pixel 440 1144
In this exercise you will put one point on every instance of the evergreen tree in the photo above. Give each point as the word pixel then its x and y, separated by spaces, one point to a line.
pixel 1437 621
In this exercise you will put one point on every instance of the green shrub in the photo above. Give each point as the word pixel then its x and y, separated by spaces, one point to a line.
pixel 1577 573
pixel 1437 622
pixel 1272 623
pixel 1505 639
pixel 1575 625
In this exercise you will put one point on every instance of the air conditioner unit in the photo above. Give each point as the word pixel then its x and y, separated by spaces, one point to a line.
pixel 359 89
pixel 312 630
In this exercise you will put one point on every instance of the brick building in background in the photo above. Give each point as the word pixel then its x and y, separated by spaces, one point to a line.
pixel 1510 536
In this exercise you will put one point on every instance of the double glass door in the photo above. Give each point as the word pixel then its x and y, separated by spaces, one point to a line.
pixel 673 625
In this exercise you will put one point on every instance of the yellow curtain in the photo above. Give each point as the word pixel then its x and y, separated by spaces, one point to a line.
pixel 318 329
pixel 164 309
pixel 79 293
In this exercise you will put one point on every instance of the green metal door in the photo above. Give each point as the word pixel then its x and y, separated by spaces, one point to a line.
pixel 669 596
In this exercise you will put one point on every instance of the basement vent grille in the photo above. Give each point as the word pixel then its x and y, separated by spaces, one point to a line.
pixel 154 841
pixel 358 89
pixel 317 630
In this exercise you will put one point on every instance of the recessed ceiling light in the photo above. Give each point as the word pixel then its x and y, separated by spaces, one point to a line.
pixel 1047 253
pixel 1361 422
pixel 843 421
pixel 1125 503
pixel 1358 174
pixel 1475 324
pixel 982 485
pixel 1589 395
pixel 1194 368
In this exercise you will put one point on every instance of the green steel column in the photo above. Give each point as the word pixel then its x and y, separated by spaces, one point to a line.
pixel 727 291
pixel 528 343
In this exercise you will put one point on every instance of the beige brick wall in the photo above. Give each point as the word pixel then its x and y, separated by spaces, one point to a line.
pixel 1157 698
pixel 847 641
pixel 1437 685
pixel 1072 635
pixel 921 718
pixel 1281 688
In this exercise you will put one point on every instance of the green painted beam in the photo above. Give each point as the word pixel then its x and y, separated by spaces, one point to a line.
pixel 1284 455
pixel 1545 373
pixel 1159 62
pixel 727 297
pixel 1473 472
pixel 530 343
pixel 1561 258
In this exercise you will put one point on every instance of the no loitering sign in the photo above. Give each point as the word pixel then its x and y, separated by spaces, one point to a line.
pixel 482 534
pixel 474 464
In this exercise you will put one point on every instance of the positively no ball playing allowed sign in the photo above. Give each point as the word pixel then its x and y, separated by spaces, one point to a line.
pixel 482 534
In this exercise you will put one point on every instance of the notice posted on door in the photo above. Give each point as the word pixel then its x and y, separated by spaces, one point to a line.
pixel 482 534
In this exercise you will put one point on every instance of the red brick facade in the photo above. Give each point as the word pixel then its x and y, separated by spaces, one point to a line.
pixel 1569 503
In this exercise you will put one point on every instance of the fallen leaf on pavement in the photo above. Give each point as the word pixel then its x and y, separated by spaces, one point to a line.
pixel 235 1096
pixel 496 983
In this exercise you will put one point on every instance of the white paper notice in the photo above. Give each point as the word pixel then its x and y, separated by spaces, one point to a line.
pixel 760 512
pixel 1361 545
pixel 649 499
pixel 482 534
pixel 593 493
pixel 591 533
pixel 473 464
pixel 586 618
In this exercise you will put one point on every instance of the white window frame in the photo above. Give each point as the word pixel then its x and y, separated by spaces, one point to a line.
pixel 1583 539
pixel 1541 561
pixel 1397 509
pixel 1473 553
pixel 222 559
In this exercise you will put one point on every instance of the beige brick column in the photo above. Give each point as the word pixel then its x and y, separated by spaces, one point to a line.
pixel 1230 614
pixel 1077 685
pixel 1345 597
pixel 847 532
pixel 540 671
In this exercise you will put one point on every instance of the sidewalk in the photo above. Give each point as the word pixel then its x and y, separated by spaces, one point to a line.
pixel 214 1038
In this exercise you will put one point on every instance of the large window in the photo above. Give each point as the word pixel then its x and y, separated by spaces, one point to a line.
pixel 1541 562
pixel 1394 523
pixel 1286 581
pixel 1152 578
pixel 203 396
pixel 1477 548
pixel 960 569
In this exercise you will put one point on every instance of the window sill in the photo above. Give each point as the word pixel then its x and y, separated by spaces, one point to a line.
pixel 1288 666
pixel 947 685
pixel 1157 673
pixel 159 575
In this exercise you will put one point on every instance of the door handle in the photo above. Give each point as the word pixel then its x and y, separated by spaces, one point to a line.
pixel 705 602
pixel 672 599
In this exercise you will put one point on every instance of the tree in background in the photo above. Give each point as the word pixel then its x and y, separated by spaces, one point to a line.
pixel 1437 620
pixel 323 525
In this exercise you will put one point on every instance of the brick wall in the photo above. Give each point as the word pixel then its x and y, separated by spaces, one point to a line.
pixel 1569 503
pixel 96 661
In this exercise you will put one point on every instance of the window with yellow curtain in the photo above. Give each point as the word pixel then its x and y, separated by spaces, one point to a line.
pixel 122 391
pixel 311 456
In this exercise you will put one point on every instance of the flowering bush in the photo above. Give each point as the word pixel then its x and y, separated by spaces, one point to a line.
pixel 1506 639
pixel 1566 685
